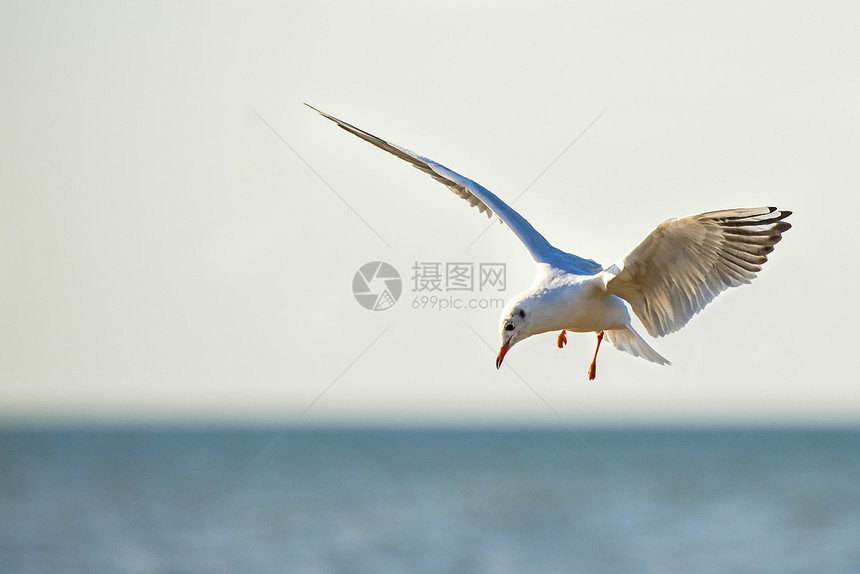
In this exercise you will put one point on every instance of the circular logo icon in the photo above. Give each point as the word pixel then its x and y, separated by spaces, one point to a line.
pixel 377 286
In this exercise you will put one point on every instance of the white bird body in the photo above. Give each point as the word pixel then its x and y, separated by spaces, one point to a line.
pixel 670 276
pixel 579 303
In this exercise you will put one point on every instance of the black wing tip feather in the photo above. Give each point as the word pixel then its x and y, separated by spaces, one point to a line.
pixel 745 213
pixel 780 215
pixel 783 212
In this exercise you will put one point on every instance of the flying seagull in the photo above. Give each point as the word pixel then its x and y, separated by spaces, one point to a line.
pixel 670 276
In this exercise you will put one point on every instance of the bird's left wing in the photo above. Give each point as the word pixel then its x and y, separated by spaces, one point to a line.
pixel 684 263
pixel 486 202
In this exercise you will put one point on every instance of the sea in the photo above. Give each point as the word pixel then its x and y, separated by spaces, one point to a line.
pixel 434 500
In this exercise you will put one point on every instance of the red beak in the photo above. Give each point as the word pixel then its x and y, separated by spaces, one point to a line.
pixel 502 352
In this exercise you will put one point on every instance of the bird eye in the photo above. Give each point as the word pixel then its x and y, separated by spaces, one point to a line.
pixel 509 327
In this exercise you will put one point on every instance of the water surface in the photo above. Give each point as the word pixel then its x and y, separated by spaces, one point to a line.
pixel 384 501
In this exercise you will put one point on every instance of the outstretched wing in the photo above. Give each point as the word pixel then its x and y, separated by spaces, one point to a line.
pixel 685 263
pixel 486 202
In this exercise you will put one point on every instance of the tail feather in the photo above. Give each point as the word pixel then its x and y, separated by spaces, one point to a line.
pixel 628 340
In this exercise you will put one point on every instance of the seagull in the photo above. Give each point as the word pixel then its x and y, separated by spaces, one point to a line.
pixel 670 276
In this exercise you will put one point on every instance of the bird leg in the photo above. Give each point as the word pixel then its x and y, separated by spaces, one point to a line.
pixel 592 370
pixel 562 338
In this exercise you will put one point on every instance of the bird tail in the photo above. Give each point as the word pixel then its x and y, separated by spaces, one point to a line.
pixel 626 339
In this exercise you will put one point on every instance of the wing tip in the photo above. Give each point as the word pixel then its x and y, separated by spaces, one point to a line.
pixel 340 123
pixel 316 110
pixel 783 213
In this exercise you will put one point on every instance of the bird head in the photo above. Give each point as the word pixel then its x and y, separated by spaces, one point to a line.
pixel 515 326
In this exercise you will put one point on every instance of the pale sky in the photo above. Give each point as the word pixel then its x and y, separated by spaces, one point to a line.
pixel 164 256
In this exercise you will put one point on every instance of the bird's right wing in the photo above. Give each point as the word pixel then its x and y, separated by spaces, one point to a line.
pixel 486 202
pixel 685 263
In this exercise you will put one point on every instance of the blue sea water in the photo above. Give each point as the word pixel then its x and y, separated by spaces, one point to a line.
pixel 341 500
